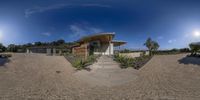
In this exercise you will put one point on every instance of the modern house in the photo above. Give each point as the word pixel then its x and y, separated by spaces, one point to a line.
pixel 100 44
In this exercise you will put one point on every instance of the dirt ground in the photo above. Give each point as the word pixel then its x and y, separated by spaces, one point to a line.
pixel 40 77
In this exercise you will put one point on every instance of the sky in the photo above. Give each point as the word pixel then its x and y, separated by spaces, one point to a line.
pixel 172 23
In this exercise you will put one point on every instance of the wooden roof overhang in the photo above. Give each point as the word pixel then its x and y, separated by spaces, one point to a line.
pixel 103 37
pixel 118 43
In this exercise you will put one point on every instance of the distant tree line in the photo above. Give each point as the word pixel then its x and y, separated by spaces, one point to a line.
pixel 2 48
pixel 61 44
pixel 172 51
pixel 153 49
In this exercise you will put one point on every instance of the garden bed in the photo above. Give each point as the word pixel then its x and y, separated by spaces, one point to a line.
pixel 79 62
pixel 135 63
pixel 194 55
pixel 5 55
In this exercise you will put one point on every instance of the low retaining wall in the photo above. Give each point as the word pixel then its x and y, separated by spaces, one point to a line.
pixel 131 55
pixel 134 54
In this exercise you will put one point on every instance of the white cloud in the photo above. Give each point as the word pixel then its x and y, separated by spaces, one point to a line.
pixel 172 41
pixel 33 10
pixel 38 9
pixel 82 30
pixel 47 34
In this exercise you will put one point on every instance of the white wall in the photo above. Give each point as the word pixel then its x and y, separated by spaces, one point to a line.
pixel 106 49
pixel 131 55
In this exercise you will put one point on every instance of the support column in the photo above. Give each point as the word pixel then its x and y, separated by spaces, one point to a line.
pixel 60 52
pixel 109 45
pixel 27 51
pixel 86 50
pixel 48 52
pixel 54 51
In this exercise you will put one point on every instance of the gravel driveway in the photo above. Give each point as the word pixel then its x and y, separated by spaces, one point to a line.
pixel 40 77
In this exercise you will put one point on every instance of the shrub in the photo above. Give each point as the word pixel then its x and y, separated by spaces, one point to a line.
pixel 5 55
pixel 124 61
pixel 136 63
pixel 80 62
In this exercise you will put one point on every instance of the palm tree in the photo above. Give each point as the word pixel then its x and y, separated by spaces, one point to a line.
pixel 151 45
pixel 155 46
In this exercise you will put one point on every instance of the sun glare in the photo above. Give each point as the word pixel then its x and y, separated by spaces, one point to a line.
pixel 196 34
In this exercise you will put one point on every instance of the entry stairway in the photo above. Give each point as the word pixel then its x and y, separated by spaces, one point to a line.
pixel 105 62
pixel 107 72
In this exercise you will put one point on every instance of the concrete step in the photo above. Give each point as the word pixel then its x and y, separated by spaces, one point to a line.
pixel 106 62
pixel 108 65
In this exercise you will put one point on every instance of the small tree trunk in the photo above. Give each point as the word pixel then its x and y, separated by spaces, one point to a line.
pixel 150 52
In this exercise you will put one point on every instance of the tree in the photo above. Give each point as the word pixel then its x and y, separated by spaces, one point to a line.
pixel 29 44
pixel 61 41
pixel 12 48
pixel 184 50
pixel 126 51
pixel 195 48
pixel 2 48
pixel 156 46
pixel 38 43
pixel 151 45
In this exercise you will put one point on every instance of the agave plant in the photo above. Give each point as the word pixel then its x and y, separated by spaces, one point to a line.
pixel 80 64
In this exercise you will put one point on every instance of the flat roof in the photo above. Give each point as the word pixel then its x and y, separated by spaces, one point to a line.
pixel 105 36
pixel 118 42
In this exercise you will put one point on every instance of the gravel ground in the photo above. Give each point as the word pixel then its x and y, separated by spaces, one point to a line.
pixel 40 77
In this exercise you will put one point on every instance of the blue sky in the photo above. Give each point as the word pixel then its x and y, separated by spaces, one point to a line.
pixel 173 23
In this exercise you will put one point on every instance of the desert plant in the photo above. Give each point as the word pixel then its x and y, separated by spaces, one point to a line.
pixel 5 55
pixel 124 61
pixel 136 63
pixel 80 64
pixel 127 62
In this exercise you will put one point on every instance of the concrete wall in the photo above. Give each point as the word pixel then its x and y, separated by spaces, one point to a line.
pixel 36 50
pixel 134 54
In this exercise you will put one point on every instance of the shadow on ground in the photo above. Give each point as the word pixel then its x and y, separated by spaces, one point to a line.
pixel 3 61
pixel 190 60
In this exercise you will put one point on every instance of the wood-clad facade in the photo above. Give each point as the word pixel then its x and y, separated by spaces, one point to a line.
pixel 101 44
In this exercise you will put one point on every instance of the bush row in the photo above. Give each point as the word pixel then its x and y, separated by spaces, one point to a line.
pixel 136 63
